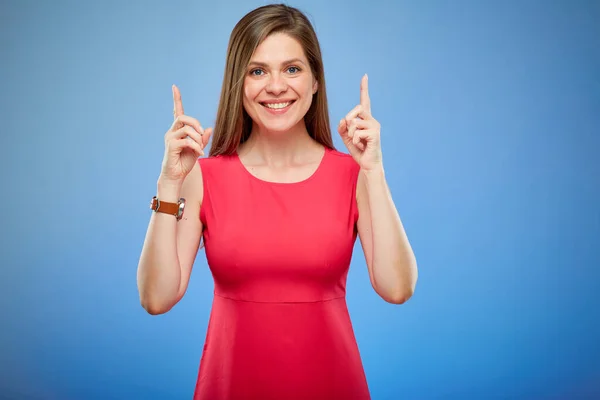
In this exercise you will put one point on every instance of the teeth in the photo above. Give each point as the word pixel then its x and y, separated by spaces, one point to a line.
pixel 278 105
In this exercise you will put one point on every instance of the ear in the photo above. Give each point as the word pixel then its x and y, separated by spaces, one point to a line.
pixel 315 86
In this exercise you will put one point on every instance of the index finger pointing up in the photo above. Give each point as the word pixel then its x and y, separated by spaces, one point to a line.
pixel 365 101
pixel 177 105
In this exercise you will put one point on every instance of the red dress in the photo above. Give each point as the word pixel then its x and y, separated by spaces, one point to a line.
pixel 279 254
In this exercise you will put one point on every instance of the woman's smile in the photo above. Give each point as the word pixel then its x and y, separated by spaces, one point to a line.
pixel 277 107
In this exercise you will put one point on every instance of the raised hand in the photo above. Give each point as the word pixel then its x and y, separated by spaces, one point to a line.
pixel 361 132
pixel 184 143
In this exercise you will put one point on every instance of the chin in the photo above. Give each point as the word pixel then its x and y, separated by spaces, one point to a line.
pixel 280 124
pixel 279 127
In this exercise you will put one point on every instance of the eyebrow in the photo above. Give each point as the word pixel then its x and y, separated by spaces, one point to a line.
pixel 262 64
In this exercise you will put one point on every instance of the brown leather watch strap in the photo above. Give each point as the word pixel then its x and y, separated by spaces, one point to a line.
pixel 175 209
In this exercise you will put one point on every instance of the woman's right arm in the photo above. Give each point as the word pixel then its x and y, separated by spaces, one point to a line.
pixel 171 246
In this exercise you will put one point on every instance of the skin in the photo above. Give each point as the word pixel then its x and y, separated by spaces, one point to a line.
pixel 279 150
pixel 389 256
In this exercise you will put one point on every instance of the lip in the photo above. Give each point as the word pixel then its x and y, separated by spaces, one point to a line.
pixel 275 101
pixel 279 110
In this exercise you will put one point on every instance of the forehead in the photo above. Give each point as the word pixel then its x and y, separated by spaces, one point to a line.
pixel 278 47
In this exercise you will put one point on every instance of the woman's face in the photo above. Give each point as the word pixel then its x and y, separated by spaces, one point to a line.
pixel 279 85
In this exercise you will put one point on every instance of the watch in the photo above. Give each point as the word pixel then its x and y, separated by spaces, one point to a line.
pixel 175 209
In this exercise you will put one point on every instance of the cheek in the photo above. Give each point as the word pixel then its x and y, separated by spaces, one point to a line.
pixel 246 95
pixel 251 90
pixel 308 85
pixel 306 89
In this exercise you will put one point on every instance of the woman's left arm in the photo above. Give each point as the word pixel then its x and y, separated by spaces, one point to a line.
pixel 390 260
pixel 389 256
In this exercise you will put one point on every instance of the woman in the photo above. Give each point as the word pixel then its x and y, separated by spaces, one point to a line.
pixel 279 209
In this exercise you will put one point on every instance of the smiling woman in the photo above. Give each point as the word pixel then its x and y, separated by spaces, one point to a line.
pixel 273 48
pixel 279 209
pixel 281 84
pixel 278 90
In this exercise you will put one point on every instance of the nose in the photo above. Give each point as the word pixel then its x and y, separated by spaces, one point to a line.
pixel 276 84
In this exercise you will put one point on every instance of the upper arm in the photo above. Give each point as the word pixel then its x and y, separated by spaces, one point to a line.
pixel 364 227
pixel 189 227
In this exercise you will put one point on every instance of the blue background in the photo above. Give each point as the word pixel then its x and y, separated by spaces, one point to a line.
pixel 490 115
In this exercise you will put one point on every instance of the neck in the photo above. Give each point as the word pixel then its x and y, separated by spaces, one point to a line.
pixel 278 148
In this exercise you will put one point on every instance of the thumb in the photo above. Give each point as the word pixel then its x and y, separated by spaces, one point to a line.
pixel 343 131
pixel 342 128
pixel 206 137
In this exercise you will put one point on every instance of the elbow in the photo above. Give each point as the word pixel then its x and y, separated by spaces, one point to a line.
pixel 401 293
pixel 156 301
pixel 152 310
pixel 406 289
pixel 396 284
pixel 154 307
pixel 399 296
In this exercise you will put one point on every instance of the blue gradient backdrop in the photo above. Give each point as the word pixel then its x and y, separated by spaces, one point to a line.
pixel 491 136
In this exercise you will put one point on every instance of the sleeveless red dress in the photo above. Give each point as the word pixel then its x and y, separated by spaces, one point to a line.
pixel 279 254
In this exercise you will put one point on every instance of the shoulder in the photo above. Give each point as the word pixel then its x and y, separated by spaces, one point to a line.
pixel 344 162
pixel 216 168
pixel 340 155
pixel 208 164
pixel 193 185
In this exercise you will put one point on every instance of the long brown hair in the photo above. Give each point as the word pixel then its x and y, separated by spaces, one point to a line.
pixel 233 124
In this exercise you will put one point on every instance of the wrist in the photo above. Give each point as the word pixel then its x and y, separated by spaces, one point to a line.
pixel 374 173
pixel 167 190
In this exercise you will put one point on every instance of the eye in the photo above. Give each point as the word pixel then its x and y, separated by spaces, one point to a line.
pixel 255 72
pixel 293 70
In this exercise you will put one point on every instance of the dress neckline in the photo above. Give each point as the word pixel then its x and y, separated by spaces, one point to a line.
pixel 305 180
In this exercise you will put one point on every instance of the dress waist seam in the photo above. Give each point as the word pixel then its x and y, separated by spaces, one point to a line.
pixel 280 302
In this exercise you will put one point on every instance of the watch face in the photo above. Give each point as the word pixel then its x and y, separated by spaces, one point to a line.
pixel 181 208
